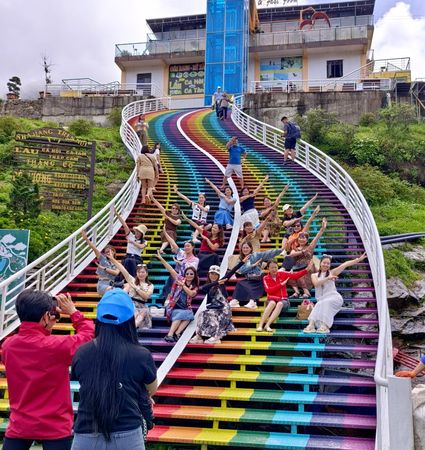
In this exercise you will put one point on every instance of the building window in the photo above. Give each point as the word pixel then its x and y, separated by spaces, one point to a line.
pixel 334 68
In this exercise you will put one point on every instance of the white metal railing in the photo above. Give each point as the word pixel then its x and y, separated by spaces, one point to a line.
pixel 86 88
pixel 171 358
pixel 337 84
pixel 157 47
pixel 54 270
pixel 343 186
pixel 306 37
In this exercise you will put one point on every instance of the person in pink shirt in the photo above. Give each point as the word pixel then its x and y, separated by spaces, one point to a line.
pixel 277 296
pixel 37 371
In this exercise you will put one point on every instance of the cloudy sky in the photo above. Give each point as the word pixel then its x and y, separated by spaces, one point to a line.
pixel 79 36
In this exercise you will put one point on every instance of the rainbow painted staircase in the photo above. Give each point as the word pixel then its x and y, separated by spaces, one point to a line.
pixel 281 390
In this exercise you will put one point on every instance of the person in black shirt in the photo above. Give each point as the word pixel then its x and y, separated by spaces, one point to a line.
pixel 117 379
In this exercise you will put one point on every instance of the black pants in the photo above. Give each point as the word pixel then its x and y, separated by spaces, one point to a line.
pixel 25 444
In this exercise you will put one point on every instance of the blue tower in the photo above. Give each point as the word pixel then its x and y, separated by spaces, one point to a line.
pixel 226 53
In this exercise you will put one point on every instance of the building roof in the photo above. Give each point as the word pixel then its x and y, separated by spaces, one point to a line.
pixel 333 8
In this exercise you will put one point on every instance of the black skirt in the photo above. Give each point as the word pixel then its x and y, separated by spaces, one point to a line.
pixel 246 290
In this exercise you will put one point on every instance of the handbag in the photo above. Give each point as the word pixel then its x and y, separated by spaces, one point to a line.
pixel 304 310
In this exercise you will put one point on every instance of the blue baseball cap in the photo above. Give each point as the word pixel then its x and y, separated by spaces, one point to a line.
pixel 115 307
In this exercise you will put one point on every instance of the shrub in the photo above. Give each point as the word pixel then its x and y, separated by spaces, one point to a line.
pixel 397 265
pixel 367 119
pixel 337 140
pixel 25 202
pixel 367 150
pixel 80 127
pixel 375 186
pixel 315 123
pixel 8 126
pixel 114 117
pixel 398 116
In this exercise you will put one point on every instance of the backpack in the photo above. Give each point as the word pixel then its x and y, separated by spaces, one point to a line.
pixel 294 131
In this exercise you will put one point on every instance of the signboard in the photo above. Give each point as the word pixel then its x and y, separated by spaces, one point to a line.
pixel 288 3
pixel 186 79
pixel 60 164
pixel 13 254
pixel 287 68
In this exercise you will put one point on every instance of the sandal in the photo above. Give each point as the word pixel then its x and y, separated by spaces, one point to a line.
pixel 213 340
pixel 268 329
pixel 323 329
pixel 295 295
pixel 310 329
pixel 306 296
pixel 196 340
pixel 259 329
pixel 169 338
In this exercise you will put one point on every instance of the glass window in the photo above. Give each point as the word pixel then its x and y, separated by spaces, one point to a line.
pixel 334 68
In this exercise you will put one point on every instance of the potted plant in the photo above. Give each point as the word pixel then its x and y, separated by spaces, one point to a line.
pixel 14 87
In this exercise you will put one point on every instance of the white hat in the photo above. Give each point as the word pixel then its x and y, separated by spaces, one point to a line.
pixel 214 269
pixel 286 206
pixel 218 87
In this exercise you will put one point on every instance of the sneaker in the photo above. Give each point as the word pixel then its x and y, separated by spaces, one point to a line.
pixel 169 339
pixel 251 304
pixel 234 303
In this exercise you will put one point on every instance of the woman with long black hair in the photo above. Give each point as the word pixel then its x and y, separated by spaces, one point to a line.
pixel 117 377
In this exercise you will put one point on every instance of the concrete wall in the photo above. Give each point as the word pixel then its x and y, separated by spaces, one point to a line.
pixel 64 110
pixel 349 106
pixel 158 70
pixel 317 62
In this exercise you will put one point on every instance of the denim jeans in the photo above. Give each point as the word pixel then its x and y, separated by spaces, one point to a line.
pixel 121 440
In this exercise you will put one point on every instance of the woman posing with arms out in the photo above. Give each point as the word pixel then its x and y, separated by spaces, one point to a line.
pixel 247 201
pixel 250 234
pixel 223 215
pixel 216 321
pixel 250 288
pixel 298 228
pixel 140 289
pixel 329 300
pixel 270 212
pixel 212 240
pixel 277 296
pixel 200 210
pixel 178 305
pixel 117 378
pixel 290 216
pixel 302 252
pixel 147 172
pixel 135 244
pixel 106 270
pixel 171 222
pixel 184 257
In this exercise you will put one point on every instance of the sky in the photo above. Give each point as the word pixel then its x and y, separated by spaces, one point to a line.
pixel 78 37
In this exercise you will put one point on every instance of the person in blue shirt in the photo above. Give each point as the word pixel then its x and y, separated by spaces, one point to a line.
pixel 237 155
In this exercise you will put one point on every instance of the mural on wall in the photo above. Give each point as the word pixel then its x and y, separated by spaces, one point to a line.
pixel 288 68
pixel 186 79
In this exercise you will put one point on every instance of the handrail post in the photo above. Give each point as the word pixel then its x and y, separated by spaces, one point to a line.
pixel 3 307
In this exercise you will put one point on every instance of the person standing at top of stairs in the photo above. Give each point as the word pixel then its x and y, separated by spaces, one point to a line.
pixel 217 96
pixel 291 132
pixel 142 129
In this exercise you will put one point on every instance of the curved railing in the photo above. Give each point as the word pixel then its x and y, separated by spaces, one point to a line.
pixel 55 269
pixel 171 358
pixel 343 186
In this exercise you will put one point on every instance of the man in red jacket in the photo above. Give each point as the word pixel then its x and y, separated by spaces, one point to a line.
pixel 37 370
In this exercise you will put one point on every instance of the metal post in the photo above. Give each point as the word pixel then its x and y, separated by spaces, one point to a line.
pixel 91 181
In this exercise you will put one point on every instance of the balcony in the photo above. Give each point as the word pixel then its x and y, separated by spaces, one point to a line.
pixel 155 48
pixel 311 38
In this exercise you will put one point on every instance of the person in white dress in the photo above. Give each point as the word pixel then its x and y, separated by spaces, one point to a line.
pixel 329 300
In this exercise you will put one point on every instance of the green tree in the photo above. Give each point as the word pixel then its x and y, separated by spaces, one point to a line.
pixel 14 86
pixel 398 117
pixel 25 201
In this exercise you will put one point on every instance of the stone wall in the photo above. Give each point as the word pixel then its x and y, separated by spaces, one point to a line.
pixel 349 106
pixel 64 110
